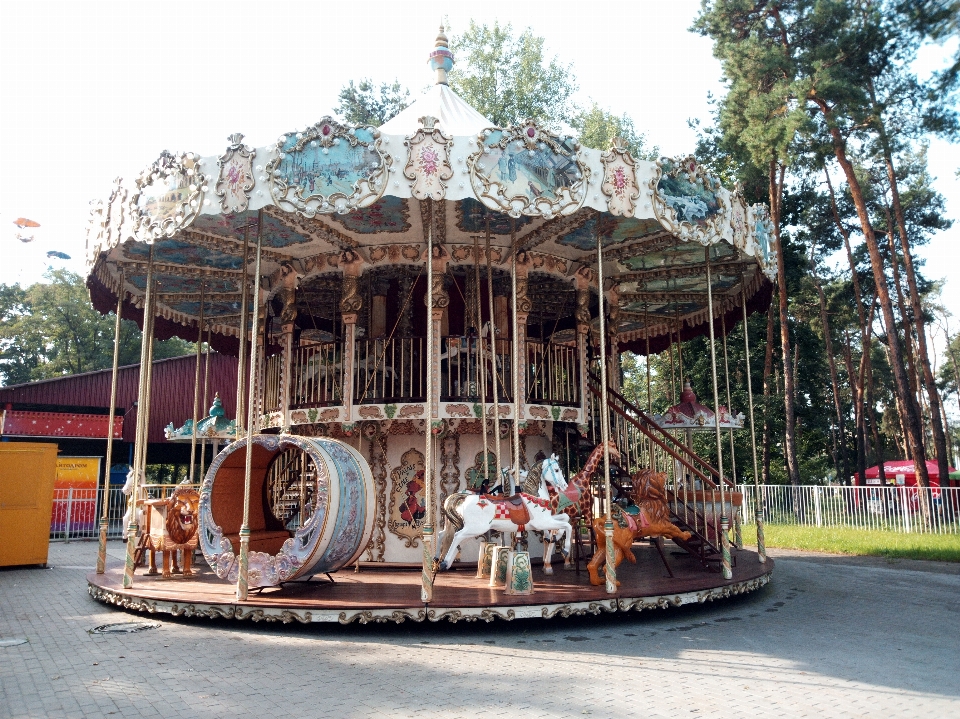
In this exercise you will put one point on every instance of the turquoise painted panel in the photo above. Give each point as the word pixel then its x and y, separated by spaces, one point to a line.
pixel 176 252
pixel 324 171
pixel 694 202
pixel 210 309
pixel 176 283
pixel 276 235
pixel 388 214
pixel 531 173
pixel 472 217
pixel 613 230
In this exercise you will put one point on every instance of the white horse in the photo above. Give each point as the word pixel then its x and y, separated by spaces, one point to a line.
pixel 469 515
pixel 134 504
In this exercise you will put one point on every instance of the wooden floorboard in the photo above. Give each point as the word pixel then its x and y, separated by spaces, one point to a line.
pixel 371 589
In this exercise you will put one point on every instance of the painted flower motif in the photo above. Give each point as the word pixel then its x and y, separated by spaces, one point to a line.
pixel 429 160
pixel 619 181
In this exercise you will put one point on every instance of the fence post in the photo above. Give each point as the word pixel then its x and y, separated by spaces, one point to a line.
pixel 816 506
pixel 66 526
pixel 904 507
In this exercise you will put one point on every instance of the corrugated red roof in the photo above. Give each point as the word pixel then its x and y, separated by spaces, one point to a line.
pixel 172 393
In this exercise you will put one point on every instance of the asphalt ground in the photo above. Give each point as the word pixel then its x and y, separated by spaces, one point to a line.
pixel 828 637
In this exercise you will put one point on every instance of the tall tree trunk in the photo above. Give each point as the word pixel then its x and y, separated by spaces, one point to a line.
pixel 790 427
pixel 871 402
pixel 886 306
pixel 933 396
pixel 835 385
pixel 767 371
pixel 856 392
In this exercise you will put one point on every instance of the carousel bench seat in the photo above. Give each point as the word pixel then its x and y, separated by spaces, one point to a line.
pixel 262 540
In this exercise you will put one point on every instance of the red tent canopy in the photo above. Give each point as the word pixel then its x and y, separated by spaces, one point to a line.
pixel 905 467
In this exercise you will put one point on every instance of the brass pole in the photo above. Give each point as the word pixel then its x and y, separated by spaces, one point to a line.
pixel 610 569
pixel 493 355
pixel 758 503
pixel 724 520
pixel 104 515
pixel 426 574
pixel 517 349
pixel 248 460
pixel 196 385
pixel 244 319
pixel 481 366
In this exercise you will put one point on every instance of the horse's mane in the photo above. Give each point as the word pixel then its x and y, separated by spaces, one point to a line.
pixel 531 485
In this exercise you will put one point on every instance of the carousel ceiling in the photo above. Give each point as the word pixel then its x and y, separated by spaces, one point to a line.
pixel 329 193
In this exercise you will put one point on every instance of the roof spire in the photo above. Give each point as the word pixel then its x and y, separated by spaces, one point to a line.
pixel 441 59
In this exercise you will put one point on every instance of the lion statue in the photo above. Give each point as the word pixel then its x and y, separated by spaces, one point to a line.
pixel 652 520
pixel 172 526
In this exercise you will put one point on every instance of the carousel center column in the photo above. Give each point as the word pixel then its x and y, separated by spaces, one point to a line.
pixel 288 318
pixel 584 278
pixel 523 306
pixel 350 304
pixel 441 301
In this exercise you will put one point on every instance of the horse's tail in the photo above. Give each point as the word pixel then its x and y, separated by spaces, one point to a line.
pixel 454 523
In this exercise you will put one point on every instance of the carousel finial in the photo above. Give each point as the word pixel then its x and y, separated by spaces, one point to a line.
pixel 441 59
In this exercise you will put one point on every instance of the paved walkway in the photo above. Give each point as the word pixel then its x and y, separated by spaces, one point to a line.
pixel 829 637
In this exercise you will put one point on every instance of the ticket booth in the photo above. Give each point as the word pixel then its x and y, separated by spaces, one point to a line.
pixel 28 471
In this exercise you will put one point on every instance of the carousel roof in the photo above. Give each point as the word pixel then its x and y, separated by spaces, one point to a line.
pixel 332 193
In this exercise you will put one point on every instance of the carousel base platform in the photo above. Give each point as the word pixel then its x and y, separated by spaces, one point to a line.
pixel 393 595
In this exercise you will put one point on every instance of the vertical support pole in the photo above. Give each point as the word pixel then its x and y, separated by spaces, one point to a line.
pixel 69 516
pixel 758 500
pixel 139 450
pixel 519 289
pixel 737 520
pixel 242 589
pixel 196 385
pixel 724 519
pixel 582 315
pixel 493 355
pixel 481 365
pixel 105 510
pixel 609 569
pixel 426 574
pixel 350 306
pixel 206 397
pixel 288 318
pixel 244 320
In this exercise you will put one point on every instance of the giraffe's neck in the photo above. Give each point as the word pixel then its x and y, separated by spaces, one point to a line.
pixel 582 479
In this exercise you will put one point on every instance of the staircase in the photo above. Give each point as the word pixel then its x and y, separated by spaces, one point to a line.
pixel 694 485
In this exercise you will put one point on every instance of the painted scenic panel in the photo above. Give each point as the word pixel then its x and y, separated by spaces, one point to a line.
pixel 693 201
pixel 176 283
pixel 472 217
pixel 388 214
pixel 613 230
pixel 175 252
pixel 163 198
pixel 275 234
pixel 533 173
pixel 324 171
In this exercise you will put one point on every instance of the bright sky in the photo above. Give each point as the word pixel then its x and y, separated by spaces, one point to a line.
pixel 92 90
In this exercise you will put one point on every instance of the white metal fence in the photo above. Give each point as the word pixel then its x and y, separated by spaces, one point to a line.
pixel 896 509
pixel 76 512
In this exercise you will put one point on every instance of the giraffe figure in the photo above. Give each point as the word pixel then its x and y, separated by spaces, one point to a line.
pixel 577 499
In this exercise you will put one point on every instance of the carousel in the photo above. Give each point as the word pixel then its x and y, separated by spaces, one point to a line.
pixel 428 317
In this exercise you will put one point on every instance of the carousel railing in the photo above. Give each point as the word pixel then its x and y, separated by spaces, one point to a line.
pixel 317 376
pixel 390 370
pixel 273 384
pixel 460 369
pixel 693 484
pixel 552 376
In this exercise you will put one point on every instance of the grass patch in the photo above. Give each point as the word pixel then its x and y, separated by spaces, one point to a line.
pixel 843 540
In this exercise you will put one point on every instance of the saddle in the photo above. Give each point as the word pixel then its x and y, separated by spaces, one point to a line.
pixel 511 508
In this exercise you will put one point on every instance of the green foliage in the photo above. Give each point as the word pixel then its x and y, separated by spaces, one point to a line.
pixel 872 543
pixel 50 329
pixel 597 127
pixel 507 77
pixel 366 104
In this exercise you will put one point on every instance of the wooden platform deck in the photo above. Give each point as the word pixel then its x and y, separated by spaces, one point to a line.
pixel 392 594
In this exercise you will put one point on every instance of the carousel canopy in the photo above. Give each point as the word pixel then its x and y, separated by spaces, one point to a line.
pixel 326 196
pixel 690 414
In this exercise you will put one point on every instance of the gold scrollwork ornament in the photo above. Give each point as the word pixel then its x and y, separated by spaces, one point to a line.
pixel 169 196
pixel 236 178
pixel 428 161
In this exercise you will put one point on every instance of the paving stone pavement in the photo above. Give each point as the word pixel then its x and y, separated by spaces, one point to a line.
pixel 829 637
